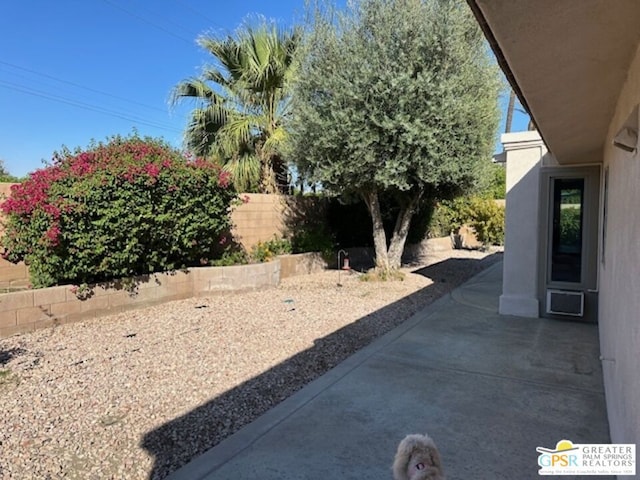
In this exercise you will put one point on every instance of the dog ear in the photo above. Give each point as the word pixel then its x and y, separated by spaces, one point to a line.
pixel 401 461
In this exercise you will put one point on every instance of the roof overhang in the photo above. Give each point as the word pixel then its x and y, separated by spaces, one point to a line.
pixel 567 61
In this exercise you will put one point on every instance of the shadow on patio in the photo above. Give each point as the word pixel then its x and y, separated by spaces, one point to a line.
pixel 489 389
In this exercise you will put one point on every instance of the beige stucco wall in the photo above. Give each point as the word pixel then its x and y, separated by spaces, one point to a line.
pixel 619 306
pixel 261 218
pixel 524 151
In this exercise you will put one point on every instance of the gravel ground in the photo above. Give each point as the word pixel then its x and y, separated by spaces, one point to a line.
pixel 138 394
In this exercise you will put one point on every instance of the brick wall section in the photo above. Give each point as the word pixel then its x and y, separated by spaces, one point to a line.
pixel 5 189
pixel 260 219
pixel 32 309
pixel 301 264
pixel 13 275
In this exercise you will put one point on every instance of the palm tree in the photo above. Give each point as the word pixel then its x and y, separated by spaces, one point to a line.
pixel 510 108
pixel 241 103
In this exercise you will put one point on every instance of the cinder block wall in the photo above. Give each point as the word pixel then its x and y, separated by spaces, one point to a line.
pixel 13 275
pixel 29 310
pixel 5 189
pixel 301 264
pixel 32 309
pixel 259 219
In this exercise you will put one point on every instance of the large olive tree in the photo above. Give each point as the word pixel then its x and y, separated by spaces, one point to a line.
pixel 396 98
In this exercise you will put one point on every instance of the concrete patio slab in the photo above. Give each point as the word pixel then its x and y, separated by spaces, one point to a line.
pixel 489 389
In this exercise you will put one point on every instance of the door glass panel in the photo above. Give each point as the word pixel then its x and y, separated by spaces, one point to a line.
pixel 566 252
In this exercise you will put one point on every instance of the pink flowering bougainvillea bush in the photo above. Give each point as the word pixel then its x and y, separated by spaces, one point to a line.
pixel 126 207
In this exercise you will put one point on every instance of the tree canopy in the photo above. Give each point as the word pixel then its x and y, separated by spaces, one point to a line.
pixel 5 176
pixel 396 98
pixel 241 102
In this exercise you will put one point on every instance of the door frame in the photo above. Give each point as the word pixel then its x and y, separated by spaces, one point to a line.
pixel 588 284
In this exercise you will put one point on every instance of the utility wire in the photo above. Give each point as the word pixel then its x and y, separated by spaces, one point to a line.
pixel 198 13
pixel 143 19
pixel 92 107
pixel 87 106
pixel 168 20
pixel 80 86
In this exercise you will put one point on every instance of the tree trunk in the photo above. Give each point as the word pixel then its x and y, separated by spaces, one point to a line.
pixel 510 107
pixel 400 232
pixel 379 236
pixel 274 175
pixel 268 180
pixel 391 258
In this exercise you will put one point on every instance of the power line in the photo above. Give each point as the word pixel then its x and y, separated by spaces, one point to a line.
pixel 168 20
pixel 198 13
pixel 81 86
pixel 143 19
pixel 87 106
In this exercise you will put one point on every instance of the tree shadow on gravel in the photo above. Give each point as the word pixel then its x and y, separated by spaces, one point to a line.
pixel 184 438
pixel 6 355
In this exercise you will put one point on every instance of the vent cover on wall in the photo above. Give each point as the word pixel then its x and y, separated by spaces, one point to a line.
pixel 564 302
pixel 627 137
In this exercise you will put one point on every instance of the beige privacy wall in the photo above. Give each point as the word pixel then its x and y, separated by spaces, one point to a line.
pixel 259 219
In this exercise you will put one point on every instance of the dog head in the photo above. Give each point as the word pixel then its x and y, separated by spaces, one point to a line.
pixel 417 458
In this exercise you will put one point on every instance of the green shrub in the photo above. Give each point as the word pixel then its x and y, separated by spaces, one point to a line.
pixel 312 240
pixel 231 256
pixel 486 218
pixel 307 225
pixel 128 207
pixel 448 217
pixel 350 223
pixel 267 251
pixel 484 215
pixel 497 182
pixel 570 225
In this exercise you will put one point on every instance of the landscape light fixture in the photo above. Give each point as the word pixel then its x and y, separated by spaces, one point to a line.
pixel 345 263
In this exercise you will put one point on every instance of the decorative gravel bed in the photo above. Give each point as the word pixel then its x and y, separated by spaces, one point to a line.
pixel 137 395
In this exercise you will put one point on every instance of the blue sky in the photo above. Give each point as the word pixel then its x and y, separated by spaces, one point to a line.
pixel 76 70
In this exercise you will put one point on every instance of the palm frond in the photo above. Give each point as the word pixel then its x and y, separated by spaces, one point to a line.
pixel 274 142
pixel 235 134
pixel 200 133
pixel 243 99
pixel 245 172
pixel 193 88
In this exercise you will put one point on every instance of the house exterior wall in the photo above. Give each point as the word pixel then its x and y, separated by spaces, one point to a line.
pixel 619 307
pixel 524 151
